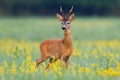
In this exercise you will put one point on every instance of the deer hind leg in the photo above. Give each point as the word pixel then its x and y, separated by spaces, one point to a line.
pixel 50 62
pixel 40 60
pixel 43 57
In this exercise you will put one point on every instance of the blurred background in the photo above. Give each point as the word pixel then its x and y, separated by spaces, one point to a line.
pixel 50 7
pixel 26 19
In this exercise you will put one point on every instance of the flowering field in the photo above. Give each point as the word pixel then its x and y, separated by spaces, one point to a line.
pixel 93 58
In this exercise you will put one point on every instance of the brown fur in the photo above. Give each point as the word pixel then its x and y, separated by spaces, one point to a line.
pixel 59 48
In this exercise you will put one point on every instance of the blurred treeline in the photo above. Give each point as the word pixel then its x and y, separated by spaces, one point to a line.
pixel 50 7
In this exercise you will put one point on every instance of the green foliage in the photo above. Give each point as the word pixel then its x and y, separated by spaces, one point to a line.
pixel 82 7
pixel 96 53
pixel 40 28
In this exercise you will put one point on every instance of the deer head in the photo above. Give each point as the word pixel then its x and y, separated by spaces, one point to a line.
pixel 65 20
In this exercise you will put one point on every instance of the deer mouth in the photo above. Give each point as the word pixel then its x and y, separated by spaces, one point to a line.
pixel 63 28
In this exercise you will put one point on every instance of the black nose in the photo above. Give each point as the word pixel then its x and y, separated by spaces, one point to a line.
pixel 63 28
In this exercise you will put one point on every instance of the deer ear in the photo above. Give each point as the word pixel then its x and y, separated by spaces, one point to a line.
pixel 59 17
pixel 71 17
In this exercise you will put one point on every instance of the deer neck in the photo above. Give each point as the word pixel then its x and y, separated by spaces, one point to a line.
pixel 67 38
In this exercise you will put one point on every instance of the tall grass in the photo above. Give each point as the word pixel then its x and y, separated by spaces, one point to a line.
pixel 40 28
pixel 96 54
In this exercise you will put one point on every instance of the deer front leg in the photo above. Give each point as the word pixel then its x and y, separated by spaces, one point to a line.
pixel 61 60
pixel 67 62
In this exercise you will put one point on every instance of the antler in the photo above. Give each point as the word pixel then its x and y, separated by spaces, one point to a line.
pixel 71 9
pixel 61 11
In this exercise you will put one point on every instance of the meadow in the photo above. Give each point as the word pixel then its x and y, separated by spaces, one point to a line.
pixel 96 43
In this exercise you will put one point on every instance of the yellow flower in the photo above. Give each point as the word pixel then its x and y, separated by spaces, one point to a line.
pixel 112 72
pixel 5 64
pixel 32 67
pixel 2 71
pixel 94 65
pixel 28 60
pixel 98 72
pixel 87 70
pixel 77 52
pixel 105 54
pixel 80 69
pixel 105 73
pixel 53 58
pixel 13 69
pixel 59 63
pixel 22 69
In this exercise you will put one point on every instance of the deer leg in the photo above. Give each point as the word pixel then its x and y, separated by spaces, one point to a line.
pixel 51 61
pixel 48 64
pixel 40 60
pixel 44 56
pixel 67 62
pixel 61 60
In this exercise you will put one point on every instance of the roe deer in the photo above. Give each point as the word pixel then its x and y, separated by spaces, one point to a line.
pixel 59 48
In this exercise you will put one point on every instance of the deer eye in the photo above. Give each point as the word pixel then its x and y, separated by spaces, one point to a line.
pixel 62 23
pixel 68 23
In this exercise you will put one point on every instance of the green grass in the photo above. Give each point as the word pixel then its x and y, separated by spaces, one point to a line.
pixel 40 28
pixel 96 41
